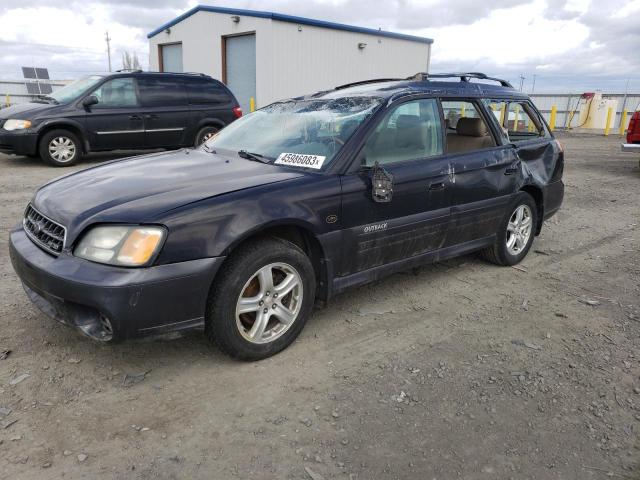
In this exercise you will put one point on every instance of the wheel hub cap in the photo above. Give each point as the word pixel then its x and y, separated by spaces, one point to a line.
pixel 62 149
pixel 269 303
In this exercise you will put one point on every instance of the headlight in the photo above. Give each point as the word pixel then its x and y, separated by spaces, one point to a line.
pixel 13 124
pixel 128 246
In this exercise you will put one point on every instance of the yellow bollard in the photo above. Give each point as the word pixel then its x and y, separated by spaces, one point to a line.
pixel 552 120
pixel 623 122
pixel 503 112
pixel 8 100
pixel 608 125
pixel 252 104
pixel 516 112
pixel 462 111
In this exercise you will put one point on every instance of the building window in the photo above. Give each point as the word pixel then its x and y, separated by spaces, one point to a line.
pixel 170 57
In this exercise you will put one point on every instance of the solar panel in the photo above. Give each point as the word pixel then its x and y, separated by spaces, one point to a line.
pixel 45 88
pixel 42 73
pixel 28 72
pixel 32 88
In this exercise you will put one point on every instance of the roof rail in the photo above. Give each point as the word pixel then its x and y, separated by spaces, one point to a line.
pixel 364 82
pixel 129 70
pixel 464 77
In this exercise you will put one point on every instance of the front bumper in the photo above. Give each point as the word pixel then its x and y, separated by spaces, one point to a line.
pixel 631 147
pixel 18 143
pixel 113 303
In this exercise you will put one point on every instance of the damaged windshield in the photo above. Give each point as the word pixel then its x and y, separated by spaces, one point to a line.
pixel 305 133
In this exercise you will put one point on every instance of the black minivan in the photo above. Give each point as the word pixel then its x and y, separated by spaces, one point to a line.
pixel 121 111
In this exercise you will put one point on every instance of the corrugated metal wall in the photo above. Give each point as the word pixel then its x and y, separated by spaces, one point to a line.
pixel 16 92
pixel 567 102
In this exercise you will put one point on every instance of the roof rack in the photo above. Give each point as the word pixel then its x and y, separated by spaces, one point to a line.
pixel 364 82
pixel 464 77
pixel 129 70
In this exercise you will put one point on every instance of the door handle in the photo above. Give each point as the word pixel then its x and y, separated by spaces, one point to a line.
pixel 135 117
pixel 513 168
pixel 437 186
pixel 151 117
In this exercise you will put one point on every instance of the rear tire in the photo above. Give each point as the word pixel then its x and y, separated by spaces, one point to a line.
pixel 245 316
pixel 205 134
pixel 60 148
pixel 516 232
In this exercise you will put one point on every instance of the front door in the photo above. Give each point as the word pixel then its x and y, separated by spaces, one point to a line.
pixel 115 121
pixel 407 143
pixel 239 69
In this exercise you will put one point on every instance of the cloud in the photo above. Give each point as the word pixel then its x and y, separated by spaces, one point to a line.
pixel 577 44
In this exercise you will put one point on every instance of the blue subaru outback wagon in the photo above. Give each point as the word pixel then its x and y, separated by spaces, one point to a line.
pixel 289 206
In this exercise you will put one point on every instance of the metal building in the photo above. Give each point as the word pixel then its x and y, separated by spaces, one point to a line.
pixel 269 56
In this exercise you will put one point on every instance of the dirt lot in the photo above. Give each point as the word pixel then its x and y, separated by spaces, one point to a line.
pixel 460 370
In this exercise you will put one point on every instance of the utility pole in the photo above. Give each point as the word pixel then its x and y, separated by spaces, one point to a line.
pixel 522 77
pixel 108 40
pixel 533 87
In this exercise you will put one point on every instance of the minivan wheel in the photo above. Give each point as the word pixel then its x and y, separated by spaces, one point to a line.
pixel 261 299
pixel 60 148
pixel 205 134
pixel 516 232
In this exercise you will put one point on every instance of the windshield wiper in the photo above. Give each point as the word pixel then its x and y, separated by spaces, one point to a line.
pixel 253 156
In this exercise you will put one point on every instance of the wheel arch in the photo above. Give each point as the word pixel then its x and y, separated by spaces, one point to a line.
pixel 73 127
pixel 300 234
pixel 538 196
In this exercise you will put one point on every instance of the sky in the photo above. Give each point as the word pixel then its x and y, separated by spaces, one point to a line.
pixel 561 45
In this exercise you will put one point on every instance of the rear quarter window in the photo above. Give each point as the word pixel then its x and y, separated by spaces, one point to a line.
pixel 201 91
pixel 158 91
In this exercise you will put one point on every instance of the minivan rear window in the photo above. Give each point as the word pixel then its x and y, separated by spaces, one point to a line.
pixel 205 91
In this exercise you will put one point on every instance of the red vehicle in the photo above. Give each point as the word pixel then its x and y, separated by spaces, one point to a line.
pixel 633 133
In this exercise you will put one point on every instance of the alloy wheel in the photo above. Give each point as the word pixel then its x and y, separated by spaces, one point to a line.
pixel 519 229
pixel 269 303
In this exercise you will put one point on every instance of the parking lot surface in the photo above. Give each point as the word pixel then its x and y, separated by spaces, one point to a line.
pixel 459 370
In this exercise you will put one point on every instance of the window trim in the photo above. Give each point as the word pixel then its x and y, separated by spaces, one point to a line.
pixel 110 79
pixel 356 164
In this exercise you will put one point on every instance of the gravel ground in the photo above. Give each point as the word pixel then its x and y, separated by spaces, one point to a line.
pixel 459 370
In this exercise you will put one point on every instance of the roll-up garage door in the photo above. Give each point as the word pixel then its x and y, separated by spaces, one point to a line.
pixel 240 60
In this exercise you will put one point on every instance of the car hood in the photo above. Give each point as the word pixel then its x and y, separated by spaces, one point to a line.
pixel 138 189
pixel 24 111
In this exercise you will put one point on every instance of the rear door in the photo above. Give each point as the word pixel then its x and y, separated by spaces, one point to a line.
pixel 165 110
pixel 482 169
pixel 407 143
pixel 115 121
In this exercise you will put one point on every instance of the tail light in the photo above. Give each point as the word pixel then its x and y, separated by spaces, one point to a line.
pixel 634 127
pixel 237 112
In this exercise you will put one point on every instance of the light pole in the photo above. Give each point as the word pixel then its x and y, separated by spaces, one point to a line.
pixel 533 87
pixel 522 77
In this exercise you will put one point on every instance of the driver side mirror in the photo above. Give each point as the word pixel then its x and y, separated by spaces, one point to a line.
pixel 381 184
pixel 90 100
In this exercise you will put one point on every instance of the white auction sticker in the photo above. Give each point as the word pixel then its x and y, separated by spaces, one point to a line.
pixel 300 160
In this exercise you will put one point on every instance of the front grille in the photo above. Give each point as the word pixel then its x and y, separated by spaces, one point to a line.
pixel 43 231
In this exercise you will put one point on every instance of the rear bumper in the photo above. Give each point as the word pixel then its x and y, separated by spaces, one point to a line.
pixel 553 196
pixel 631 147
pixel 18 143
pixel 113 303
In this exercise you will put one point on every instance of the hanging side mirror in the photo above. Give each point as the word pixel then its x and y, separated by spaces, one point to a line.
pixel 381 184
pixel 90 100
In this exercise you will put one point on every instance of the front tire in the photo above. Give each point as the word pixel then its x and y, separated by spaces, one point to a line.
pixel 60 148
pixel 261 299
pixel 516 232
